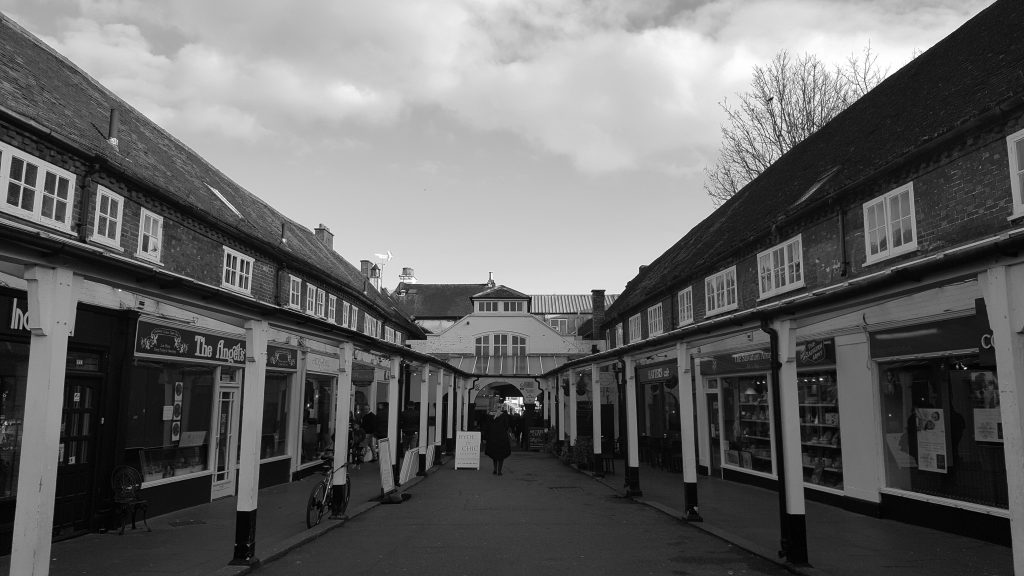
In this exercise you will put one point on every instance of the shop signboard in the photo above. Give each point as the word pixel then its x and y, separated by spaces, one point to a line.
pixel 279 358
pixel 387 475
pixel 808 353
pixel 467 449
pixel 956 334
pixel 169 341
pixel 656 373
pixel 537 438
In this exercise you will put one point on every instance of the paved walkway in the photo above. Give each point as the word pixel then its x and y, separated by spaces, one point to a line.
pixel 200 540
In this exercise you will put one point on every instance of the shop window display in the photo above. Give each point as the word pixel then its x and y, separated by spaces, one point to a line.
pixel 943 431
pixel 13 378
pixel 168 420
pixel 821 449
pixel 274 441
pixel 317 416
pixel 746 423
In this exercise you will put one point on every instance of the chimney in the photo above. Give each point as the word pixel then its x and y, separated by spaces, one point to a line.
pixel 490 279
pixel 323 234
pixel 114 128
pixel 597 309
pixel 364 267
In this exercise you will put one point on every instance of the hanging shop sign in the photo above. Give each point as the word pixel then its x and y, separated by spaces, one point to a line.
pixel 808 353
pixel 168 341
pixel 363 376
pixel 279 358
pixel 667 371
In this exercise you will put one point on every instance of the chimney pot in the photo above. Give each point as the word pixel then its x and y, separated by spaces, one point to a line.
pixel 114 127
pixel 364 267
pixel 324 235
pixel 597 311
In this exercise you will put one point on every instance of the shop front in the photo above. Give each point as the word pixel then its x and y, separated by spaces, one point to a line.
pixel 658 413
pixel 942 429
pixel 182 401
pixel 96 351
pixel 319 393
pixel 275 435
pixel 738 399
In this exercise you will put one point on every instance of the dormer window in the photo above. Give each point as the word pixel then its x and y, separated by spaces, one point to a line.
pixel 486 306
pixel 513 306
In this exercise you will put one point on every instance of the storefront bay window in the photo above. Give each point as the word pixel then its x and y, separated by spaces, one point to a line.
pixel 821 448
pixel 274 441
pixel 13 378
pixel 746 422
pixel 168 418
pixel 317 416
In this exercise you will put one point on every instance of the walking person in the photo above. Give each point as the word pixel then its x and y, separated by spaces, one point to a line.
pixel 498 438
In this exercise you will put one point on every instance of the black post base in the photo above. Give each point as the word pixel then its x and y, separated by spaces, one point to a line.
pixel 633 481
pixel 337 500
pixel 245 539
pixel 597 465
pixel 795 548
pixel 437 454
pixel 690 501
pixel 423 465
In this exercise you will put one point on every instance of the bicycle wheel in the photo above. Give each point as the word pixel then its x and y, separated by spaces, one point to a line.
pixel 316 505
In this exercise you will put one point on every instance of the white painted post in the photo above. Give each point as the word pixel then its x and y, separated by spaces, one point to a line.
pixel 793 474
pixel 1004 303
pixel 688 442
pixel 572 412
pixel 342 410
pixel 632 440
pixel 424 403
pixel 438 423
pixel 562 429
pixel 256 335
pixel 595 406
pixel 52 306
pixel 393 409
pixel 451 410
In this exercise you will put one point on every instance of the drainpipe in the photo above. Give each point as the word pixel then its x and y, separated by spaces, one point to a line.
pixel 793 528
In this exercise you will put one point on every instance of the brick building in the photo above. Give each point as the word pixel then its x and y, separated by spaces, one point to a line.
pixel 168 319
pixel 849 324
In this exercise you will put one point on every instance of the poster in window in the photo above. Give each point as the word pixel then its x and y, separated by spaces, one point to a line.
pixel 931 440
pixel 988 420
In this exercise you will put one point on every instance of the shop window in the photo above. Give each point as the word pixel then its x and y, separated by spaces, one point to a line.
pixel 821 448
pixel 686 306
pixel 943 431
pixel 780 269
pixel 655 320
pixel 168 418
pixel 36 190
pixel 106 228
pixel 890 228
pixel 13 381
pixel 274 441
pixel 294 292
pixel 151 227
pixel 317 417
pixel 747 423
pixel 1015 150
pixel 237 271
pixel 720 292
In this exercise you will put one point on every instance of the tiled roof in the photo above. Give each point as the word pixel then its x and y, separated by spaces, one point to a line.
pixel 501 292
pixel 566 303
pixel 436 300
pixel 971 72
pixel 44 88
pixel 530 365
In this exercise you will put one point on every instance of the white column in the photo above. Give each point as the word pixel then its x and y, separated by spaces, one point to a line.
pixel 438 423
pixel 451 407
pixel 632 441
pixel 393 409
pixel 256 334
pixel 793 471
pixel 562 429
pixel 595 406
pixel 52 304
pixel 424 403
pixel 1004 303
pixel 547 404
pixel 342 409
pixel 688 442
pixel 573 432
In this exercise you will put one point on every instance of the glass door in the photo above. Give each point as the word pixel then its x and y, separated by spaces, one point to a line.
pixel 225 441
pixel 714 428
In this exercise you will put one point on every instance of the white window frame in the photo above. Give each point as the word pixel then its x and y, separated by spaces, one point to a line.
pixel 321 296
pixel 310 299
pixel 513 306
pixel 635 328
pixel 236 274
pixel 399 338
pixel 487 306
pixel 156 238
pixel 618 335
pixel 49 183
pixel 294 292
pixel 781 268
pixel 884 202
pixel 389 334
pixel 717 301
pixel 560 325
pixel 482 345
pixel 685 299
pixel 517 345
pixel 345 311
pixel 111 218
pixel 353 322
pixel 655 320
pixel 332 307
pixel 1016 159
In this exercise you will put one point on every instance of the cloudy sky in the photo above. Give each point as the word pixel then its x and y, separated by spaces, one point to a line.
pixel 557 143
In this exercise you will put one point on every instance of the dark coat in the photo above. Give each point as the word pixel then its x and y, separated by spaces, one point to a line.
pixel 496 435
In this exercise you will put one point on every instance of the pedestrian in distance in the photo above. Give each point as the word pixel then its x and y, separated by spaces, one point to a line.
pixel 498 439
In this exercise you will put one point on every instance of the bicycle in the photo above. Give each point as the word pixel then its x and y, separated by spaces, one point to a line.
pixel 322 497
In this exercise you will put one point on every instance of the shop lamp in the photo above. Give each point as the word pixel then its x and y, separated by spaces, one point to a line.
pixel 750 391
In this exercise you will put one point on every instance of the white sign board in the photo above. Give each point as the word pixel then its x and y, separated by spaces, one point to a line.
pixel 410 462
pixel 387 475
pixel 467 450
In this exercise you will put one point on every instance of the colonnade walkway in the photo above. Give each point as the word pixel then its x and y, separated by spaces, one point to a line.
pixel 469 521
